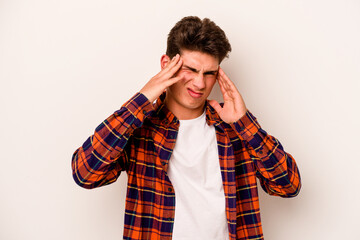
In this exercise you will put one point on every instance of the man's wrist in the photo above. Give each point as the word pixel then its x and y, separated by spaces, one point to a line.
pixel 139 105
pixel 247 126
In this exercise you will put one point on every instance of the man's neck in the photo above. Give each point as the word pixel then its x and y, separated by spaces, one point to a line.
pixel 183 113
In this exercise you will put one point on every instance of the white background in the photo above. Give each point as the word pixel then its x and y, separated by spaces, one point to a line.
pixel 67 65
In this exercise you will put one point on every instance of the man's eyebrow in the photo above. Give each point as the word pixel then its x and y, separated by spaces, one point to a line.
pixel 211 72
pixel 195 70
pixel 190 68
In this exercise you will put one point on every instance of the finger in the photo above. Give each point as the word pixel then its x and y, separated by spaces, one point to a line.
pixel 229 86
pixel 224 84
pixel 172 69
pixel 173 80
pixel 226 79
pixel 222 87
pixel 223 79
pixel 168 65
pixel 176 67
pixel 172 62
pixel 227 92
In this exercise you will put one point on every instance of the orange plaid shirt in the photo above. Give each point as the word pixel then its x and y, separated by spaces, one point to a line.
pixel 139 139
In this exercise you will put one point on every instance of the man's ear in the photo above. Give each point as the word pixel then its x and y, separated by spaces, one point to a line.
pixel 164 61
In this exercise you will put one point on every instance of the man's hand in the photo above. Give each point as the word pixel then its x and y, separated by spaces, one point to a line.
pixel 165 78
pixel 234 106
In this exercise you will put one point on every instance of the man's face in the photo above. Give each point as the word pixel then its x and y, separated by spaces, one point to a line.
pixel 187 97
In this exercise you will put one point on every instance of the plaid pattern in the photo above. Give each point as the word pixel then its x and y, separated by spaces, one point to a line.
pixel 139 139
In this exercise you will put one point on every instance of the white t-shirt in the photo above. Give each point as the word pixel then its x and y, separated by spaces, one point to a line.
pixel 194 171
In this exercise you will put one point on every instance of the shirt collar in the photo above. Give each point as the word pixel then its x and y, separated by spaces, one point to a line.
pixel 212 117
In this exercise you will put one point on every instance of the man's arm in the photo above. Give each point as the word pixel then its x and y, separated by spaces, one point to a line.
pixel 276 169
pixel 100 160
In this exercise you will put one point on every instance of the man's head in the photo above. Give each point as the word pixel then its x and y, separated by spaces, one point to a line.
pixel 192 33
pixel 202 46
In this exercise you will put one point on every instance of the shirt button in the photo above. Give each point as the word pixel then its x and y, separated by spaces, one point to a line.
pixel 163 163
pixel 170 189
pixel 166 121
pixel 144 112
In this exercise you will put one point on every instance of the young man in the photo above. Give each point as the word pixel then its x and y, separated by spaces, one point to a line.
pixel 191 163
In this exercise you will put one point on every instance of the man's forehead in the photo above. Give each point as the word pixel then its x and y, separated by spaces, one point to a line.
pixel 200 61
pixel 201 67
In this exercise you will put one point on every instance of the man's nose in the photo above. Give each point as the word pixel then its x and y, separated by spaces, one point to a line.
pixel 199 81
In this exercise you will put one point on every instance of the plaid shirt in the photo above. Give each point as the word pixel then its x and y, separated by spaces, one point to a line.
pixel 139 139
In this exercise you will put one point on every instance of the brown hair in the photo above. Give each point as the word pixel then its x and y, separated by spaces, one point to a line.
pixel 192 33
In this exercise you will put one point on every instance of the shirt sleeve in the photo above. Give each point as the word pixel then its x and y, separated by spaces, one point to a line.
pixel 276 169
pixel 102 157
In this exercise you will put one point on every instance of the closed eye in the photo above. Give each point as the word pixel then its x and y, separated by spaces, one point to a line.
pixel 209 73
pixel 213 73
pixel 191 69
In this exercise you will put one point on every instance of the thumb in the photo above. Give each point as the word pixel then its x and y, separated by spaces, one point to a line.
pixel 215 105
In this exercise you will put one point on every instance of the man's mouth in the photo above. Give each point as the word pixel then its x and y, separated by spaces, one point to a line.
pixel 194 94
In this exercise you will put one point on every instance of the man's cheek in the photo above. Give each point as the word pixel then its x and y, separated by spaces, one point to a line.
pixel 186 76
pixel 210 84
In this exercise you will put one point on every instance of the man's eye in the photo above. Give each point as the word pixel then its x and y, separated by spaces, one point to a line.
pixel 188 70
